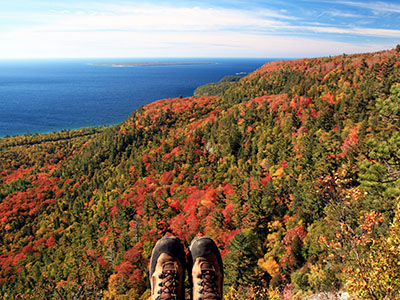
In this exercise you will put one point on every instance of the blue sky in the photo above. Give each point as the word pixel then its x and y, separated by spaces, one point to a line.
pixel 218 28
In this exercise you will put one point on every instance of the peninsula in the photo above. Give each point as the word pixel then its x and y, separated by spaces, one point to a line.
pixel 147 64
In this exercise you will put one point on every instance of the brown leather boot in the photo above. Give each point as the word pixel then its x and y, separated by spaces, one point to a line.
pixel 207 270
pixel 167 270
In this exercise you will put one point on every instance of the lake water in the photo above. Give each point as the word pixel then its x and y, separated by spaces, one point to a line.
pixel 50 95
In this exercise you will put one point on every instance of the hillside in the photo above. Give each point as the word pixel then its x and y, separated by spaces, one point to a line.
pixel 216 88
pixel 293 171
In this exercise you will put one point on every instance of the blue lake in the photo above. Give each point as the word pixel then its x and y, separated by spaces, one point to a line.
pixel 50 95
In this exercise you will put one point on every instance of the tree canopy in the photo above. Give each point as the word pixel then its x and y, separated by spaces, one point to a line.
pixel 293 170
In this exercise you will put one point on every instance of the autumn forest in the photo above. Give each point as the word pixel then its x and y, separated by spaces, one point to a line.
pixel 294 171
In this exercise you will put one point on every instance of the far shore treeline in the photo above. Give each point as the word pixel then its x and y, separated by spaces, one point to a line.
pixel 149 64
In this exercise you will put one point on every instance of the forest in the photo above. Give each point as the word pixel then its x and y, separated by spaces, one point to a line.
pixel 294 171
pixel 216 88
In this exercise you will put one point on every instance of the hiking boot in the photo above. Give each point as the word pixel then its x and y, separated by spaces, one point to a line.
pixel 167 270
pixel 207 270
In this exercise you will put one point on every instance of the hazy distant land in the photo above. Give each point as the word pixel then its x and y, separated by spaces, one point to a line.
pixel 148 64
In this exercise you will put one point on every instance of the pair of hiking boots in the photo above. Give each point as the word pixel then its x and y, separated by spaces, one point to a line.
pixel 168 264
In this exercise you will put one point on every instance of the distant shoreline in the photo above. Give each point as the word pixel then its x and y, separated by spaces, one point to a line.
pixel 148 64
pixel 70 94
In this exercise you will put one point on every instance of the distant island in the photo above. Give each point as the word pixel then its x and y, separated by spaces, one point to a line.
pixel 147 64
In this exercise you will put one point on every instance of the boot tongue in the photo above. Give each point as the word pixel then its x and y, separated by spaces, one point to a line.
pixel 206 266
pixel 169 266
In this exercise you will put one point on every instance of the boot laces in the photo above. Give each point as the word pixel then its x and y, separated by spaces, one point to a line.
pixel 208 283
pixel 168 286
